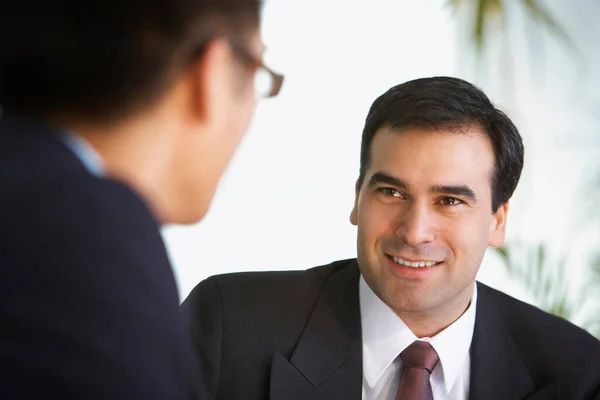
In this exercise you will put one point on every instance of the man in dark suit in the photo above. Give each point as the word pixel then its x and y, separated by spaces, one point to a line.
pixel 406 320
pixel 117 117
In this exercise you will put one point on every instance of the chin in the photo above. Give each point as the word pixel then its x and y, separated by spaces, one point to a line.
pixel 193 216
pixel 410 301
pixel 186 215
pixel 189 219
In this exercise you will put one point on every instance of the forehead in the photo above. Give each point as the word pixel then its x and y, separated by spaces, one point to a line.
pixel 421 156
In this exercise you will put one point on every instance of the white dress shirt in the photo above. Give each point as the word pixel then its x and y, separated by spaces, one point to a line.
pixel 385 336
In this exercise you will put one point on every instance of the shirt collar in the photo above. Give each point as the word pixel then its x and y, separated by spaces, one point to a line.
pixel 453 343
pixel 385 336
pixel 85 152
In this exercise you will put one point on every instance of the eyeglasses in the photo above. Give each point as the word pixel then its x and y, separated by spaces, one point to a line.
pixel 267 83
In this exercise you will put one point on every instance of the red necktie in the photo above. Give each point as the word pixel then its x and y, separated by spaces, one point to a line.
pixel 418 361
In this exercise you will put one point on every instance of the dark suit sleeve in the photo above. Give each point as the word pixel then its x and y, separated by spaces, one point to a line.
pixel 203 322
pixel 89 304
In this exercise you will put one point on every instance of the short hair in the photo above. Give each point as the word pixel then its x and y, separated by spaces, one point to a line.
pixel 446 103
pixel 103 60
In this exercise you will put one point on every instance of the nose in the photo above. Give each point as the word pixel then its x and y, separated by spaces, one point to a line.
pixel 416 225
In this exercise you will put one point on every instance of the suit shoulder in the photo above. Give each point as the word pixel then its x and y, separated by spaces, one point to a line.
pixel 263 280
pixel 251 315
pixel 83 263
pixel 88 231
pixel 249 290
pixel 65 205
pixel 533 328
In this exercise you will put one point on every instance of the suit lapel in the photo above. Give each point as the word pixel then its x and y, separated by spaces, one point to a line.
pixel 548 392
pixel 327 362
pixel 497 370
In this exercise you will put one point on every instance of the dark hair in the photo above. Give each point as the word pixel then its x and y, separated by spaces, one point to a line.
pixel 102 60
pixel 444 103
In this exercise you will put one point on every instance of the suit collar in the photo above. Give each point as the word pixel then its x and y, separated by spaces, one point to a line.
pixel 40 145
pixel 327 362
pixel 333 333
pixel 384 334
pixel 497 369
pixel 86 153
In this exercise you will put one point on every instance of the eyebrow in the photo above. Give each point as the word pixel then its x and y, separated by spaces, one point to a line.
pixel 456 190
pixel 382 177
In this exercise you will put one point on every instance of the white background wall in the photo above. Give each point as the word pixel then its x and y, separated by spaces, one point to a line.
pixel 285 200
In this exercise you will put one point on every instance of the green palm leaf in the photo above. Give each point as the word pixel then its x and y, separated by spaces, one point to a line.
pixel 546 280
pixel 538 12
pixel 487 12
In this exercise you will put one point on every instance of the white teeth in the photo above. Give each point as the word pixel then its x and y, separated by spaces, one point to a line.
pixel 416 264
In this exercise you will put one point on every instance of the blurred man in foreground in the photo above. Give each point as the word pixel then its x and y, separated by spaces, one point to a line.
pixel 117 117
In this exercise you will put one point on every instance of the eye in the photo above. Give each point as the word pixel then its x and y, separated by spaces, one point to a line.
pixel 390 192
pixel 450 201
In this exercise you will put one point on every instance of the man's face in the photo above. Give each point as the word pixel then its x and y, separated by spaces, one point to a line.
pixel 426 200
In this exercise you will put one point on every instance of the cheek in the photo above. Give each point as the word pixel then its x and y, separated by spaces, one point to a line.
pixel 375 221
pixel 467 238
pixel 229 137
pixel 240 118
pixel 199 164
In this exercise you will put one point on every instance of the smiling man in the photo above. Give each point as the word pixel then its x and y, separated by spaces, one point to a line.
pixel 406 320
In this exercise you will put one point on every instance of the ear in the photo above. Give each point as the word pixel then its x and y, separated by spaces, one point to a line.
pixel 354 213
pixel 498 226
pixel 210 82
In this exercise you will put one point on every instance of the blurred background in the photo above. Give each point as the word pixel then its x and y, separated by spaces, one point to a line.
pixel 285 200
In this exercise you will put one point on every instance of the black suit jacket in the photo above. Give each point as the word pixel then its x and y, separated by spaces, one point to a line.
pixel 88 302
pixel 297 336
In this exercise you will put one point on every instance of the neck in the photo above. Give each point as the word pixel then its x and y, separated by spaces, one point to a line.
pixel 430 323
pixel 137 152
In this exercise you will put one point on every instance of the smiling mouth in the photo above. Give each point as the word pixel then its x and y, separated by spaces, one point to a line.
pixel 414 264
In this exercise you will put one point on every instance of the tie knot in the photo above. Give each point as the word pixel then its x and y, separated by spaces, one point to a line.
pixel 419 355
